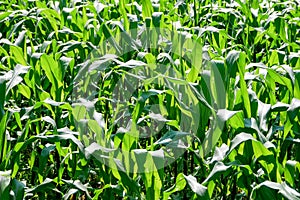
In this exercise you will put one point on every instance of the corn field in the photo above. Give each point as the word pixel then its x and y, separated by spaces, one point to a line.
pixel 149 99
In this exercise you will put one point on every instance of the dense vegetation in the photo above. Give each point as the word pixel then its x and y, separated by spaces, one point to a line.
pixel 218 84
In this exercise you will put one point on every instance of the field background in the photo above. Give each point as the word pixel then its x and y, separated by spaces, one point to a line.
pixel 45 146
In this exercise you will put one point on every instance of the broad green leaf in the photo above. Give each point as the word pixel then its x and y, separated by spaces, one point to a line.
pixel 262 190
pixel 46 185
pixel 147 8
pixel 18 55
pixel 52 70
pixel 281 79
pixel 220 153
pixel 24 90
pixel 70 46
pixel 14 78
pixel 196 61
pixel 172 139
pixel 178 186
pixel 18 188
pixel 217 170
pixel 196 187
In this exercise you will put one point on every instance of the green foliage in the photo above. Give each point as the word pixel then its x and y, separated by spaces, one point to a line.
pixel 246 76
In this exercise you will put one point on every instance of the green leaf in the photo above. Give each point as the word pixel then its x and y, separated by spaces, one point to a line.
pixel 240 138
pixel 217 170
pixel 24 90
pixel 172 139
pixel 147 8
pixel 18 55
pixel 263 111
pixel 69 193
pixel 3 140
pixel 3 15
pixel 290 172
pixel 18 188
pixel 4 184
pixel 220 153
pixel 109 37
pixel 46 185
pixel 231 63
pixel 262 190
pixel 52 70
pixel 297 86
pixel 124 14
pixel 294 108
pixel 178 186
pixel 196 187
pixel 15 79
pixel 213 135
pixel 70 46
pixel 2 93
pixel 281 79
pixel 196 61
pixel 244 90
pixel 44 157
